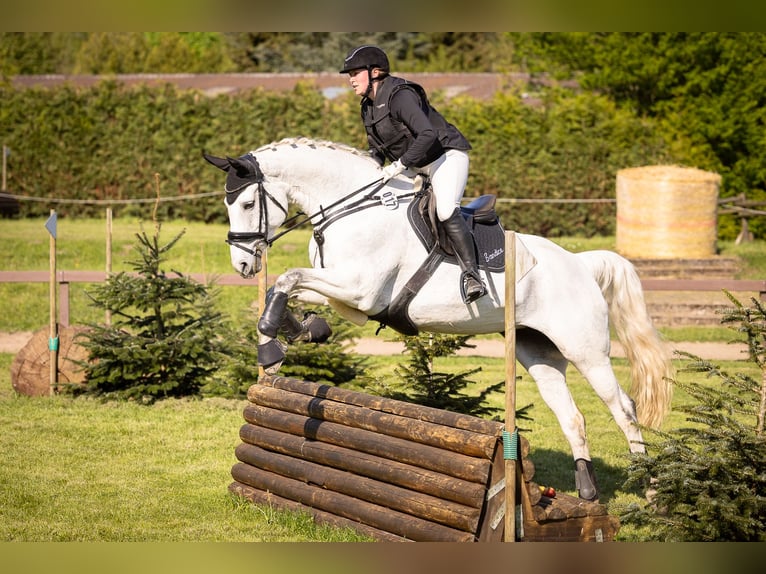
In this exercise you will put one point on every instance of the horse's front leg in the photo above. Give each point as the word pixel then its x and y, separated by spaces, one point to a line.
pixel 355 290
pixel 276 319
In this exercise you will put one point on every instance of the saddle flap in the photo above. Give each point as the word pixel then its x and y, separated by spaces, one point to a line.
pixel 485 227
pixel 488 233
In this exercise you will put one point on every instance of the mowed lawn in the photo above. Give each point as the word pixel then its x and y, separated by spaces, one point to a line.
pixel 84 470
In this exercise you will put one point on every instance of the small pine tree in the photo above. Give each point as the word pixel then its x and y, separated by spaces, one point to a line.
pixel 420 383
pixel 710 477
pixel 164 339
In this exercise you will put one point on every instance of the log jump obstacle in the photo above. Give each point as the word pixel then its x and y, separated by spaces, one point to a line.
pixel 392 470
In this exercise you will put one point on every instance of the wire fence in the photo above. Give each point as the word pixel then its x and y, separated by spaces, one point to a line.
pixel 108 202
pixel 736 204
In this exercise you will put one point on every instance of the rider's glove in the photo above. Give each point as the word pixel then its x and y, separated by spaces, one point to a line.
pixel 393 170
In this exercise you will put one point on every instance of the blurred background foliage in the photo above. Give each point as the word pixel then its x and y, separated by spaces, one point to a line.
pixel 590 105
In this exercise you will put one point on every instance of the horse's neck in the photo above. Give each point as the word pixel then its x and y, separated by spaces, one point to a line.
pixel 318 177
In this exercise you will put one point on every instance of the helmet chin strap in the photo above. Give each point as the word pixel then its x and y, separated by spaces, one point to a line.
pixel 370 80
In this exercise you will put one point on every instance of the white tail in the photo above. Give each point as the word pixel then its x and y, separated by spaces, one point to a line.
pixel 651 368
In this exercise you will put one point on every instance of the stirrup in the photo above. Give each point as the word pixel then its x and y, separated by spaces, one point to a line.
pixel 477 291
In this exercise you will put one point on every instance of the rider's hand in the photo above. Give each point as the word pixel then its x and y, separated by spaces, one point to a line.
pixel 392 170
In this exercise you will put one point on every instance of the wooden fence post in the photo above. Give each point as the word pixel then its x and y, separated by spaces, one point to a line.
pixel 510 386
pixel 53 340
pixel 263 278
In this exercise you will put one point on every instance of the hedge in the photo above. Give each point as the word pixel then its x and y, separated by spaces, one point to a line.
pixel 109 141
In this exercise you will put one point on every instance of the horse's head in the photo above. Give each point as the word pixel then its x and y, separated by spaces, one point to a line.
pixel 254 212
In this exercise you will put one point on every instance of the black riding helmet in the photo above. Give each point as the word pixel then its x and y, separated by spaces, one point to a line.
pixel 365 57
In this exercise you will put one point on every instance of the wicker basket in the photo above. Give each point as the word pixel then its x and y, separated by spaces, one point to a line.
pixel 667 211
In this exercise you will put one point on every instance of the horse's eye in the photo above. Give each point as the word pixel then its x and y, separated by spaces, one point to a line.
pixel 249 205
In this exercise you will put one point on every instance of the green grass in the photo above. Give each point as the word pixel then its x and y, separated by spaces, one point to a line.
pixel 81 245
pixel 78 469
pixel 83 470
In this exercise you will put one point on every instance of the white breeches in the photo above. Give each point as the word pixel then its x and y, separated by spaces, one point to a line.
pixel 448 174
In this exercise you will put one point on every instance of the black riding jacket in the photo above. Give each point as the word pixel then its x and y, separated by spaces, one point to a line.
pixel 401 124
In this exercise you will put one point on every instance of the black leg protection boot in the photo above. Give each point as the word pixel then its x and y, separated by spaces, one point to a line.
pixel 471 286
pixel 273 313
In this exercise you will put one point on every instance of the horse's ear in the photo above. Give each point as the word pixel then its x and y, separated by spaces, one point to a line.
pixel 219 162
pixel 243 166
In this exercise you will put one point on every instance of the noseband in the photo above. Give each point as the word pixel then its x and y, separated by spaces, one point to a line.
pixel 244 172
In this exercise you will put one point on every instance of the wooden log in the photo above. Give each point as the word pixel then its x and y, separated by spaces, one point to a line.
pixel 394 470
pixel 538 513
pixel 404 500
pixel 320 517
pixel 382 404
pixel 451 463
pixel 30 370
pixel 554 512
pixel 427 433
pixel 587 529
pixel 379 468
pixel 349 507
pixel 533 490
pixel 523 447
pixel 527 469
pixel 575 507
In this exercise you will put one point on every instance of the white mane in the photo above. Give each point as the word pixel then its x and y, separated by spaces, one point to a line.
pixel 312 143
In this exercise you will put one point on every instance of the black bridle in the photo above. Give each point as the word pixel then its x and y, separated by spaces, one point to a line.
pixel 248 172
pixel 237 238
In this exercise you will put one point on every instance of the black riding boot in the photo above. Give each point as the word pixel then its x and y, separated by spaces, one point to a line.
pixel 471 286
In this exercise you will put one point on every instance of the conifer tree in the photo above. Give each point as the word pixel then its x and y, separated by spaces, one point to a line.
pixel 165 336
pixel 709 478
pixel 419 382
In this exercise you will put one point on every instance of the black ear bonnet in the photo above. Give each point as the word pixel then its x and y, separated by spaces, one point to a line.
pixel 241 173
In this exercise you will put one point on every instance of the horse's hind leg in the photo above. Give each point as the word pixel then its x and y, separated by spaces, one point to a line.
pixel 547 366
pixel 603 380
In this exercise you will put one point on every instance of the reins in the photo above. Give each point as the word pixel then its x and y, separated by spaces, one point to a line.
pixel 380 183
pixel 236 238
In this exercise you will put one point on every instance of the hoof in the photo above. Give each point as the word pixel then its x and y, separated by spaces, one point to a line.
pixel 273 369
pixel 585 480
pixel 271 355
pixel 319 330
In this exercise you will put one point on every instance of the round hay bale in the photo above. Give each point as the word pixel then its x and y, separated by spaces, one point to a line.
pixel 667 211
pixel 30 370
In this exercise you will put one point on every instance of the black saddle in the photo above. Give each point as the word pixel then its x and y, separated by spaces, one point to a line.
pixel 489 239
pixel 488 234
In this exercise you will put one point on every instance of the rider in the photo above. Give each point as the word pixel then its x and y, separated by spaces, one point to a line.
pixel 403 127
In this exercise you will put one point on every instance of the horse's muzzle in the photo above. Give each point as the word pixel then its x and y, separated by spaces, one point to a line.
pixel 239 240
pixel 246 269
